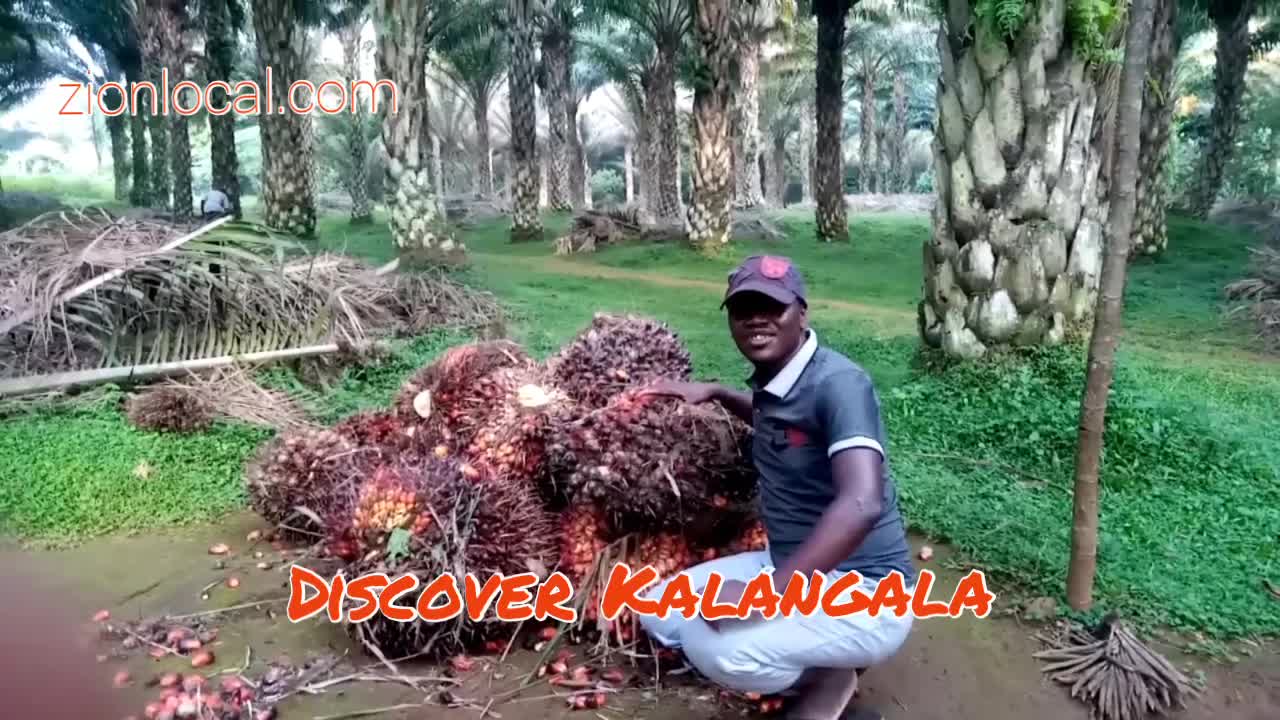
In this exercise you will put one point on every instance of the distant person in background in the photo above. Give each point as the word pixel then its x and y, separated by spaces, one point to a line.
pixel 215 204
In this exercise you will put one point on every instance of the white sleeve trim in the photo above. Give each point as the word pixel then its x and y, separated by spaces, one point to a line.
pixel 855 442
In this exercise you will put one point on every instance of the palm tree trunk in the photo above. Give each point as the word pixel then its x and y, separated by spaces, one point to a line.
pixel 288 193
pixel 898 147
pixel 159 130
pixel 356 145
pixel 666 138
pixel 1228 87
pixel 1018 227
pixel 555 53
pixel 579 190
pixel 118 132
pixel 417 227
pixel 882 158
pixel 172 49
pixel 525 221
pixel 1106 331
pixel 140 189
pixel 484 174
pixel 629 174
pixel 867 153
pixel 832 221
pixel 712 170
pixel 778 172
pixel 806 156
pixel 181 159
pixel 1150 228
pixel 221 49
pixel 747 188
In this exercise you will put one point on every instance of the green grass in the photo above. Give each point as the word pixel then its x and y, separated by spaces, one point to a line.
pixel 69 189
pixel 984 454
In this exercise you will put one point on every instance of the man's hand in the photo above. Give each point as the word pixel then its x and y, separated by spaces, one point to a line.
pixel 691 392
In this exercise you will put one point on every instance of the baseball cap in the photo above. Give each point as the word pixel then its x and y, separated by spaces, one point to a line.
pixel 772 275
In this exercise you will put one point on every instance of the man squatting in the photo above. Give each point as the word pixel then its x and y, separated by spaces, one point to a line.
pixel 827 499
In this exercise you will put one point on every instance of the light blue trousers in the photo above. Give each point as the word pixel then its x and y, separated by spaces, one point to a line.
pixel 769 655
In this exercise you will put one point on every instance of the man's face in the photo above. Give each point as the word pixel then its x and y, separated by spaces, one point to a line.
pixel 766 331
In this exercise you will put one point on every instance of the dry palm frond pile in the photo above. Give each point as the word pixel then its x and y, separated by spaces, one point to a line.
pixel 617 352
pixel 1260 294
pixel 191 403
pixel 89 289
pixel 428 518
pixel 169 409
pixel 1110 670
pixel 594 229
pixel 657 463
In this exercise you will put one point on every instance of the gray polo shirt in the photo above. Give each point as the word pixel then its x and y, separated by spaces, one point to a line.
pixel 819 404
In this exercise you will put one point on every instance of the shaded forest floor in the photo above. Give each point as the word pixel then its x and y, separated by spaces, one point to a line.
pixel 983 455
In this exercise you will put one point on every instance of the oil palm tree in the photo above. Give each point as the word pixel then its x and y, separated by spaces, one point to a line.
pixel 584 80
pixel 1016 247
pixel 221 20
pixel 753 24
pixel 667 24
pixel 628 61
pixel 473 55
pixel 832 219
pixel 711 171
pixel 783 105
pixel 404 30
pixel 1236 45
pixel 161 25
pixel 524 177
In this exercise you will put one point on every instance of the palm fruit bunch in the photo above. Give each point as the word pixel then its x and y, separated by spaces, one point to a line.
pixel 668 553
pixel 657 463
pixel 583 536
pixel 307 468
pixel 478 526
pixel 512 443
pixel 454 395
pixel 388 500
pixel 168 409
pixel 752 538
pixel 616 352
pixel 387 433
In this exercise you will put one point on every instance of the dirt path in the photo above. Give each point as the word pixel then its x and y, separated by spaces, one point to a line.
pixel 949 669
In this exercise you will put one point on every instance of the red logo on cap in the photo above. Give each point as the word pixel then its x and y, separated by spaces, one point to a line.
pixel 774 267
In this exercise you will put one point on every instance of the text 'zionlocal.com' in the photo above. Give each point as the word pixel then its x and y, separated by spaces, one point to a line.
pixel 187 98
pixel 522 597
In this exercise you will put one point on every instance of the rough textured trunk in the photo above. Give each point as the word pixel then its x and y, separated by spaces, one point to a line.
pixel 628 174
pixel 833 223
pixel 870 128
pixel 1228 87
pixel 747 191
pixel 898 143
pixel 555 53
pixel 180 156
pixel 118 131
pixel 525 221
pixel 1150 226
pixel 778 172
pixel 712 166
pixel 417 226
pixel 1106 330
pixel 882 158
pixel 1016 244
pixel 484 173
pixel 579 174
pixel 158 127
pixel 140 189
pixel 356 147
pixel 288 188
pixel 806 156
pixel 667 139
pixel 224 165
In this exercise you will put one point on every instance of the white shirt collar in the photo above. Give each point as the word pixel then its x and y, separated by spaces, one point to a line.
pixel 786 378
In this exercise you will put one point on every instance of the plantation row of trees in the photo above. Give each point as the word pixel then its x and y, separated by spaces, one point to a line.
pixel 1019 97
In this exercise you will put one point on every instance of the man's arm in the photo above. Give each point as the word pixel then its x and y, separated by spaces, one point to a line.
pixel 735 401
pixel 846 522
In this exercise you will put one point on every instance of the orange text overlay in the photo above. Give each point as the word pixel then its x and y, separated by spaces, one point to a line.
pixel 515 598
